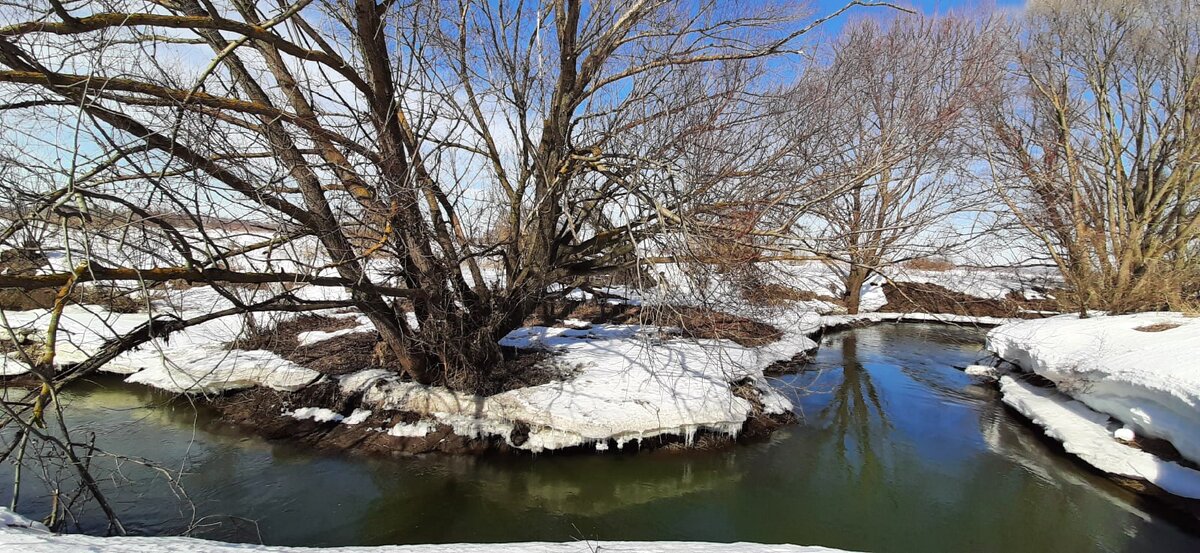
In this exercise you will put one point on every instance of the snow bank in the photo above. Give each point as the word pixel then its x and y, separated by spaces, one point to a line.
pixel 213 370
pixel 839 320
pixel 1147 380
pixel 193 360
pixel 1087 435
pixel 313 336
pixel 16 536
pixel 413 430
pixel 626 383
pixel 11 364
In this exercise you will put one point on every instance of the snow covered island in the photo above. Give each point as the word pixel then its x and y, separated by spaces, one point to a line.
pixel 1116 379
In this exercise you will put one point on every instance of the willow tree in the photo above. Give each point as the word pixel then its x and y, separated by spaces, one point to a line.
pixel 1094 141
pixel 885 169
pixel 395 134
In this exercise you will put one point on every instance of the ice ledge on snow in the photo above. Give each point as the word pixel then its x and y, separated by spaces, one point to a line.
pixel 1140 368
pixel 1087 435
pixel 626 383
pixel 18 533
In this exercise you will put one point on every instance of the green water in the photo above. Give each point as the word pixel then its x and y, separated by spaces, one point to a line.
pixel 897 451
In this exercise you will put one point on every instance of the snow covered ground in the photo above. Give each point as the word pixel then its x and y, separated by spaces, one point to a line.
pixel 947 318
pixel 1140 369
pixel 195 360
pixel 18 534
pixel 626 383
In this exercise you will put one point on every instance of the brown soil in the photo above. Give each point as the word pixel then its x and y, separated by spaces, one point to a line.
pixel 263 412
pixel 908 297
pixel 1157 327
pixel 282 338
pixel 20 300
pixel 24 262
pixel 338 356
pixel 929 264
pixel 27 261
pixel 360 350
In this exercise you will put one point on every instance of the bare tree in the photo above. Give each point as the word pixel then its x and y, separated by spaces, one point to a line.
pixel 390 135
pixel 885 170
pixel 1093 145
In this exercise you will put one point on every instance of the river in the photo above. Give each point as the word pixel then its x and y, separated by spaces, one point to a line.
pixel 897 450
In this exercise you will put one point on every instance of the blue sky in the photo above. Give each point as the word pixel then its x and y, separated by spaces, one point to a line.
pixel 823 7
pixel 928 6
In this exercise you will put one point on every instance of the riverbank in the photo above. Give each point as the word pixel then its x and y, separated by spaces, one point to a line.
pixel 1121 393
pixel 890 425
pixel 663 366
pixel 18 533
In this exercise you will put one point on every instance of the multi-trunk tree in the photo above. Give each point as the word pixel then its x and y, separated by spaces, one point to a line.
pixel 453 159
pixel 1093 142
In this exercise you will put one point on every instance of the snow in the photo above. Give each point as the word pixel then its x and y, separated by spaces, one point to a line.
pixel 983 371
pixel 315 336
pixel 1085 434
pixel 1147 380
pixel 20 534
pixel 987 284
pixel 626 383
pixel 319 414
pixel 213 370
pixel 1125 434
pixel 12 365
pixel 357 416
pixel 10 520
pixel 194 360
pixel 412 430
pixel 945 318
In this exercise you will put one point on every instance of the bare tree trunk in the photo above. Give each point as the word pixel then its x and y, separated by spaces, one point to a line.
pixel 855 279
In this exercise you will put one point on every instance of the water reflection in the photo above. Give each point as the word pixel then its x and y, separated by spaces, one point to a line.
pixel 858 421
pixel 898 451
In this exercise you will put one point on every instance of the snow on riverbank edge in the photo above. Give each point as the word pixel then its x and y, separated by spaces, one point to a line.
pixel 627 383
pixel 20 534
pixel 1140 368
pixel 1087 435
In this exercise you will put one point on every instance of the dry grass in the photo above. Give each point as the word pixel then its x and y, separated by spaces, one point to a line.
pixel 281 336
pixel 938 264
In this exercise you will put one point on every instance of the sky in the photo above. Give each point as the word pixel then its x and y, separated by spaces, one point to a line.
pixel 823 7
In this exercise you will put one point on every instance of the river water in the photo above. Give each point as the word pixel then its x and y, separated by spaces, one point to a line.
pixel 897 450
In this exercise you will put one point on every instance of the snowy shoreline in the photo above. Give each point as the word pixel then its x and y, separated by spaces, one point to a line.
pixel 1115 378
pixel 629 382
pixel 18 533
